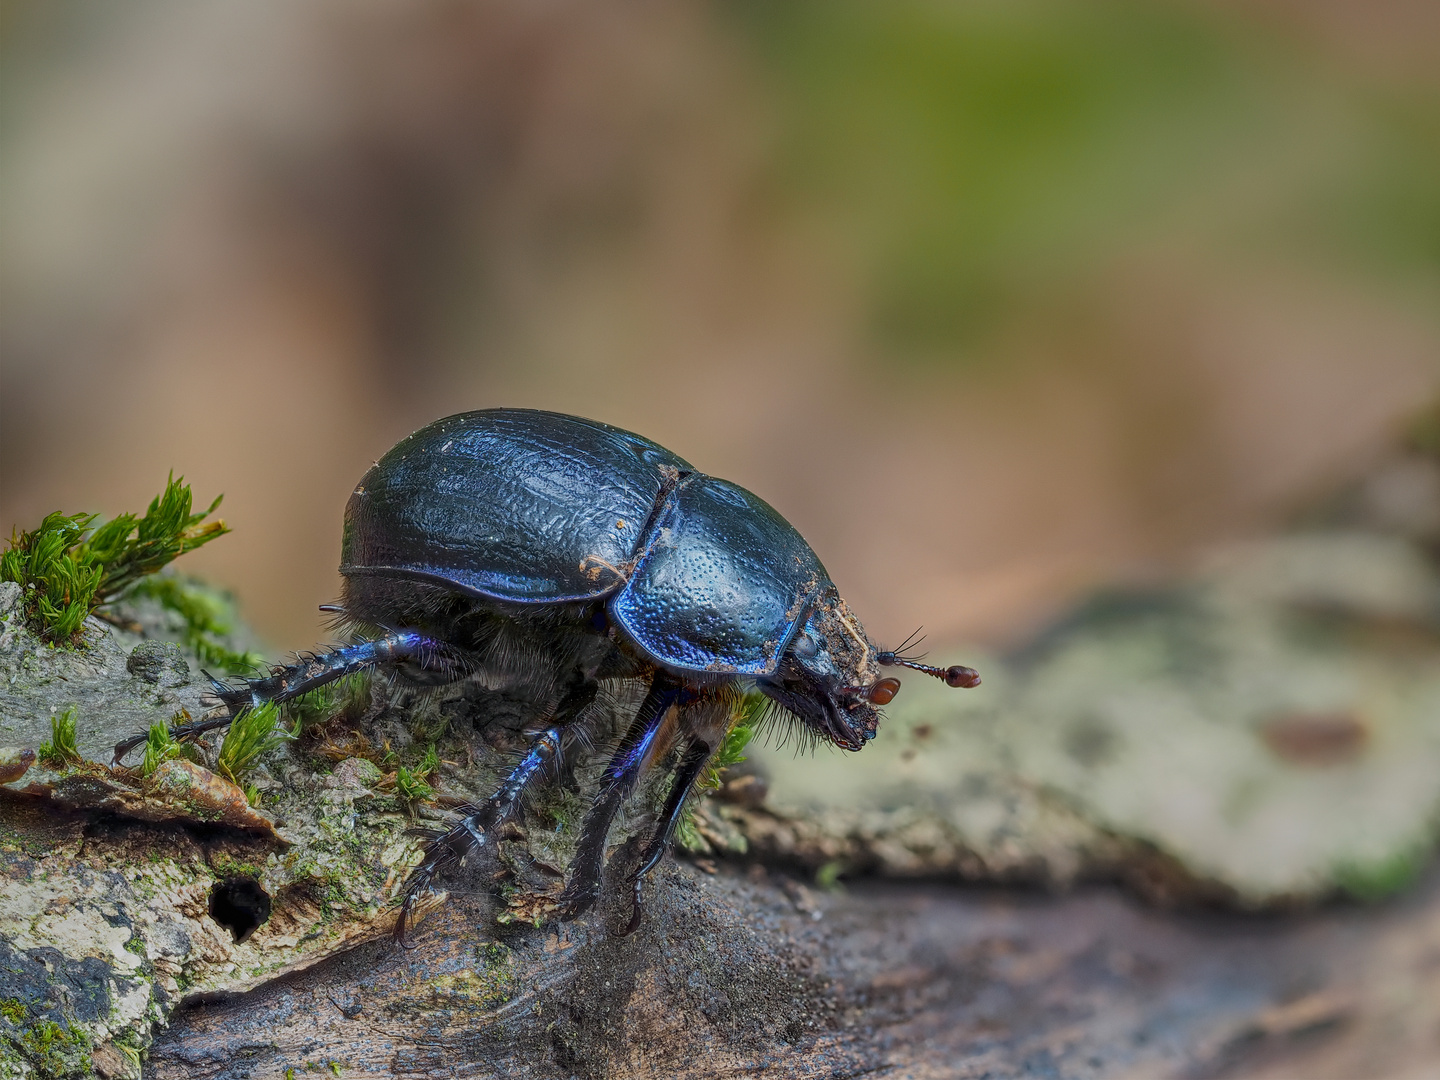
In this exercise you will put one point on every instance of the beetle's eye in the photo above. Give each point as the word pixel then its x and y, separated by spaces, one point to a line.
pixel 805 647
pixel 883 692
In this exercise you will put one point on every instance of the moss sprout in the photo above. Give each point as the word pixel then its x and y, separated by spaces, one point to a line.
pixel 253 733
pixel 742 729
pixel 60 749
pixel 159 748
pixel 55 1049
pixel 68 569
pixel 412 785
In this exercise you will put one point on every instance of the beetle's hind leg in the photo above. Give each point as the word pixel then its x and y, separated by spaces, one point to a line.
pixel 686 773
pixel 420 655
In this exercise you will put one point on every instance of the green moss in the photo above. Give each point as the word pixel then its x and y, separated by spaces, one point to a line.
pixel 742 730
pixel 744 719
pixel 13 1009
pixel 340 698
pixel 253 733
pixel 226 866
pixel 68 570
pixel 411 787
pixel 208 617
pixel 60 749
pixel 55 1050
pixel 159 748
pixel 127 1044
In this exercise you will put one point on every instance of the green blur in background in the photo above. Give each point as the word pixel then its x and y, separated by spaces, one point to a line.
pixel 983 159
pixel 1131 277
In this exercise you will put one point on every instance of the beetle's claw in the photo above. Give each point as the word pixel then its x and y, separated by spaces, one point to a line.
pixel 233 698
pixel 124 747
pixel 639 913
pixel 208 722
pixel 443 850
pixel 398 934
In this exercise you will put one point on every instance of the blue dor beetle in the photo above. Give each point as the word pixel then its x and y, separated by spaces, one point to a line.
pixel 550 553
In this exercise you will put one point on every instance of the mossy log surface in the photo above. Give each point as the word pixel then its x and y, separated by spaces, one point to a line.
pixel 754 974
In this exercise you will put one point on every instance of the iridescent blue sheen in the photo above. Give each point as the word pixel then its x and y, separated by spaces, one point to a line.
pixel 533 507
pixel 721 584
pixel 508 504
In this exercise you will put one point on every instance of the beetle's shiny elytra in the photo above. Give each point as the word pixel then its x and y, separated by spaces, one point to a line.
pixel 548 553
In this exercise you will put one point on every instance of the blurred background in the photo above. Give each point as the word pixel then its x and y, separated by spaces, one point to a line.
pixel 993 299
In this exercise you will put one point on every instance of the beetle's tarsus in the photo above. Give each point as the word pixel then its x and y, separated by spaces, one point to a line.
pixel 691 765
pixel 639 913
pixel 124 746
pixel 179 733
pixel 447 849
pixel 573 905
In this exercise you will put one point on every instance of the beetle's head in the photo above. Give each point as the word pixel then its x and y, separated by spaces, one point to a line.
pixel 830 676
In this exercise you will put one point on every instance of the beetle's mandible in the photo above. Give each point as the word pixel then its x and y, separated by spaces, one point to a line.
pixel 551 553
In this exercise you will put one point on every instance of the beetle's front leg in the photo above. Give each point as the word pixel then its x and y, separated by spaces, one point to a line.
pixel 439 661
pixel 473 831
pixel 615 784
pixel 691 765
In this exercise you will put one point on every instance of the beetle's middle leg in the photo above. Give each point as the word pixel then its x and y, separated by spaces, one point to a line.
pixel 688 771
pixel 615 784
pixel 421 657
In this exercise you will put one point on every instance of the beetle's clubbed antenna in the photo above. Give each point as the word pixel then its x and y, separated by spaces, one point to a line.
pixel 955 675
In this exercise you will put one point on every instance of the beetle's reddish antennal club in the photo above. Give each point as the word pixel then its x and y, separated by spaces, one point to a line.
pixel 955 675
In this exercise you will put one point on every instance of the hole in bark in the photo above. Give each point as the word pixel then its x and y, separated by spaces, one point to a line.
pixel 240 906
